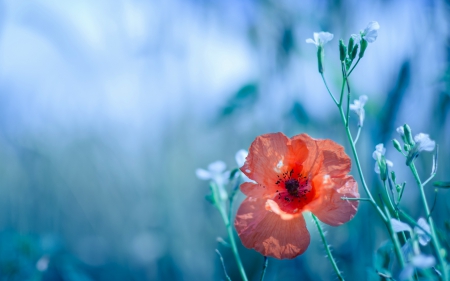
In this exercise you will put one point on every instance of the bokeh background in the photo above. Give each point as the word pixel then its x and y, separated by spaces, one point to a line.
pixel 108 107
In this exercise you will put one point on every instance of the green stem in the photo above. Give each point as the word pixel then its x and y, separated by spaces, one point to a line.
pixel 344 74
pixel 358 166
pixel 233 244
pixel 328 89
pixel 327 248
pixel 351 70
pixel 397 247
pixel 263 273
pixel 434 239
pixel 357 135
pixel 352 144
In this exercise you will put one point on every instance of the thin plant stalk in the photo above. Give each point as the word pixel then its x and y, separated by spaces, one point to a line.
pixel 327 248
pixel 397 247
pixel 434 239
pixel 263 273
pixel 233 244
pixel 223 265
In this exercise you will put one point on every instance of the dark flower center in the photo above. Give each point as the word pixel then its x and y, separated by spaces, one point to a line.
pixel 292 186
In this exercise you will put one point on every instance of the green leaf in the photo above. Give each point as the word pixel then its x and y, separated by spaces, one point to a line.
pixel 442 184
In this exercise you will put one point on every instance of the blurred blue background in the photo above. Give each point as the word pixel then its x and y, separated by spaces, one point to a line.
pixel 108 107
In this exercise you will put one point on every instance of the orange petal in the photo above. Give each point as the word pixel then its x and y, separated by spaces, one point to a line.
pixel 266 158
pixel 336 162
pixel 311 164
pixel 253 189
pixel 328 206
pixel 325 157
pixel 298 153
pixel 267 233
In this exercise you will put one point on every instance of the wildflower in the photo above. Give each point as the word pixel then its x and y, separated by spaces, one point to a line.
pixel 410 250
pixel 216 173
pixel 292 176
pixel 422 143
pixel 320 38
pixel 369 34
pixel 423 236
pixel 358 107
pixel 382 162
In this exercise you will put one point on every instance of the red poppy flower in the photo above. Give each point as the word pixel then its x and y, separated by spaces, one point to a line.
pixel 292 176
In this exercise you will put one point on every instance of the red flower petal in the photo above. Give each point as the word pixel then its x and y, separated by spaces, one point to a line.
pixel 329 207
pixel 267 233
pixel 325 157
pixel 269 156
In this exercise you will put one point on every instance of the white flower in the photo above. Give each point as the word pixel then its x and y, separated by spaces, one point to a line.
pixel 240 157
pixel 358 107
pixel 380 151
pixel 398 226
pixel 370 33
pixel 401 131
pixel 424 237
pixel 423 261
pixel 320 38
pixel 419 261
pixel 423 142
pixel 216 172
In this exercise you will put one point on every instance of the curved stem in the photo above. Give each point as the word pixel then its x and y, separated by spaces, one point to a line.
pixel 223 265
pixel 352 144
pixel 233 246
pixel 358 165
pixel 328 89
pixel 397 247
pixel 434 239
pixel 327 248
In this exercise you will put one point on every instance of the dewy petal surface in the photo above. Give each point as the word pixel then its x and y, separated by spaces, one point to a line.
pixel 271 236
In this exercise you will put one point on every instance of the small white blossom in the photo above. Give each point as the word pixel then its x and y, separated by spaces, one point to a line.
pixel 320 38
pixel 398 226
pixel 358 107
pixel 370 33
pixel 423 261
pixel 380 151
pixel 424 237
pixel 216 172
pixel 401 131
pixel 424 142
